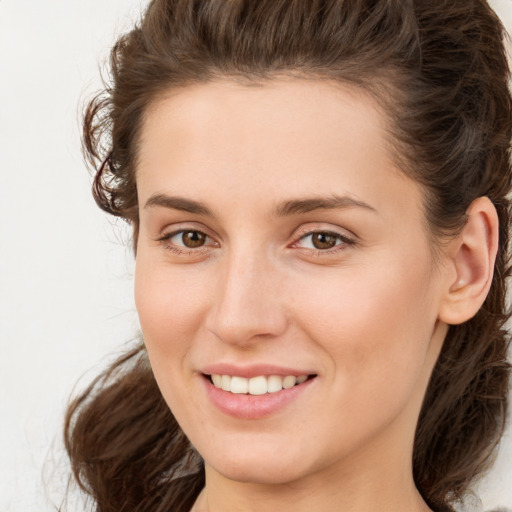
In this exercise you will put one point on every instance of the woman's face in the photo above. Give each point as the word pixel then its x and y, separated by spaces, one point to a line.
pixel 279 239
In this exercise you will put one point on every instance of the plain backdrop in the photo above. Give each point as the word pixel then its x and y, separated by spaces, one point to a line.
pixel 66 302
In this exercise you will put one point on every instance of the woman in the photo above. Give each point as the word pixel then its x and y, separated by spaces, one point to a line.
pixel 318 195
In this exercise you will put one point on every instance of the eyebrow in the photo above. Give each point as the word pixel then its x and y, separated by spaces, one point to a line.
pixel 306 205
pixel 287 208
pixel 178 203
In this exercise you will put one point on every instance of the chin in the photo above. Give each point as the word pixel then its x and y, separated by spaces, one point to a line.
pixel 258 472
pixel 259 464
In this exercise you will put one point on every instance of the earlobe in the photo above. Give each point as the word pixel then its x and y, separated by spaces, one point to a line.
pixel 471 259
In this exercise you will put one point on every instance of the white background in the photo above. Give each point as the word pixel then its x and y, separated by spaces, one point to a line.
pixel 66 302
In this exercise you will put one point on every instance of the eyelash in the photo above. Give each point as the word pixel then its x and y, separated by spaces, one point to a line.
pixel 182 250
pixel 344 242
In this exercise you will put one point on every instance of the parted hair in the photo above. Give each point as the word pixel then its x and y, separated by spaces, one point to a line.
pixel 439 71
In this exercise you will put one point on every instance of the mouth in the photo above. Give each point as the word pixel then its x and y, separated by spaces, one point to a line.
pixel 258 385
pixel 259 392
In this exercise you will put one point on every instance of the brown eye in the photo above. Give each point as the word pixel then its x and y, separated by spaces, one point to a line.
pixel 193 239
pixel 324 240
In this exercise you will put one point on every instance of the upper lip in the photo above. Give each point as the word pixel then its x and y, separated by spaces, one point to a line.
pixel 253 370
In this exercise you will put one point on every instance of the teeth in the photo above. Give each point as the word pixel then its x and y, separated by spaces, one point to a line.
pixel 257 385
pixel 225 383
pixel 289 381
pixel 274 384
pixel 239 385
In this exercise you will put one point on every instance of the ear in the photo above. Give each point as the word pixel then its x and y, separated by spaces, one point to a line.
pixel 471 257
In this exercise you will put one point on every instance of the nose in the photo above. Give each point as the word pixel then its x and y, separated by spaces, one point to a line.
pixel 248 303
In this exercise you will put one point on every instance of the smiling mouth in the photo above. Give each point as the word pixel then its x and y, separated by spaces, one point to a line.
pixel 260 385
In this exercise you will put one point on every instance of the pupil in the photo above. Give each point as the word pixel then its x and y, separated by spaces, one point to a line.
pixel 193 239
pixel 324 240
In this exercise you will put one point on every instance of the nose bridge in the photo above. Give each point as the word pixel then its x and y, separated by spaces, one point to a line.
pixel 247 305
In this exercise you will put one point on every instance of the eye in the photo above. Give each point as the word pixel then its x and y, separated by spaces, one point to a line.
pixel 186 239
pixel 189 239
pixel 323 240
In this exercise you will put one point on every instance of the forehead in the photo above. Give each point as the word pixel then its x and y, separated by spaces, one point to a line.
pixel 264 114
pixel 290 137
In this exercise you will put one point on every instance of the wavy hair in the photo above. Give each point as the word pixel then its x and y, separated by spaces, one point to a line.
pixel 439 71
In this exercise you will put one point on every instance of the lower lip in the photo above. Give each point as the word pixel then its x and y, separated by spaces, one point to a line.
pixel 251 407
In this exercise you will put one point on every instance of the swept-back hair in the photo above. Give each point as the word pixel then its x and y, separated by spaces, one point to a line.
pixel 439 71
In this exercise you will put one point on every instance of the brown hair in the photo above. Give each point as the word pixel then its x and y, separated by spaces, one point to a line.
pixel 439 70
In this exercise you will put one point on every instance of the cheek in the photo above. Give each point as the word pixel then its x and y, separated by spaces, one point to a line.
pixel 169 304
pixel 375 324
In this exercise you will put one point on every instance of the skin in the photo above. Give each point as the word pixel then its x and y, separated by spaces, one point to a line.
pixel 366 316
